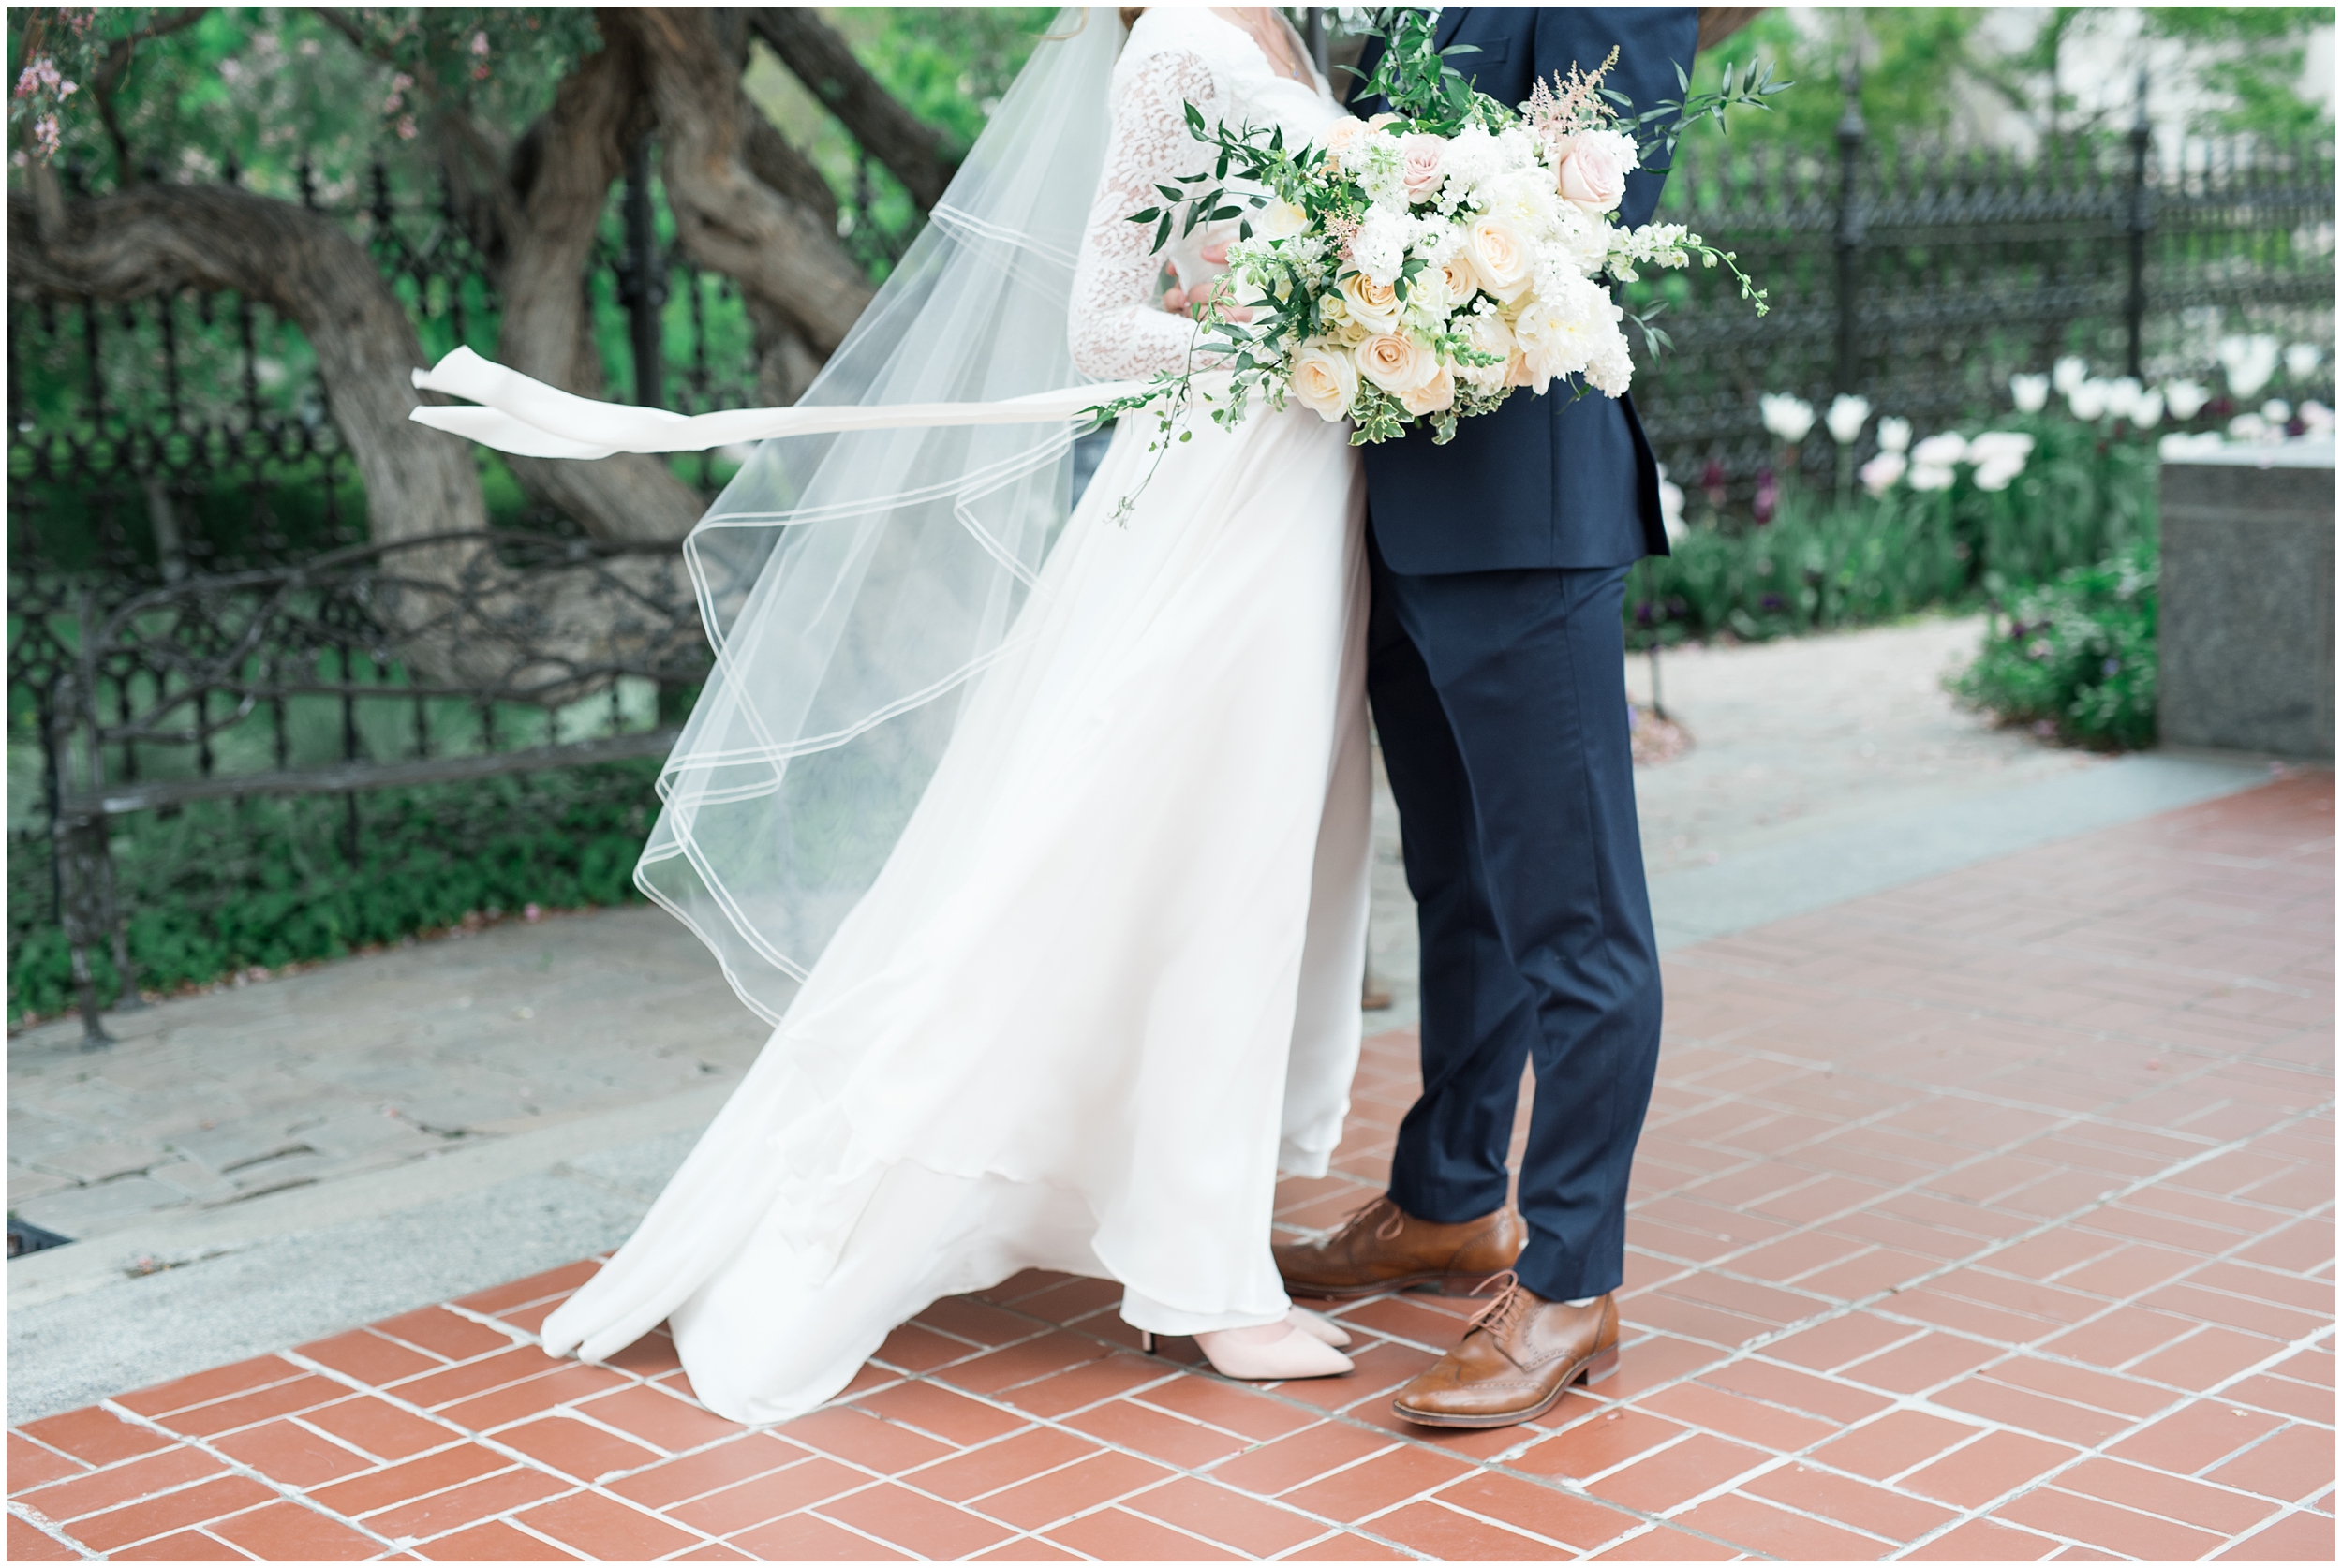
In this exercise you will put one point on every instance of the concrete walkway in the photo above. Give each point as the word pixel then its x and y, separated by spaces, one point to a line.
pixel 383 1133
pixel 1989 1218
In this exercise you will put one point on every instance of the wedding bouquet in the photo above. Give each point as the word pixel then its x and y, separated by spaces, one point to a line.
pixel 1420 266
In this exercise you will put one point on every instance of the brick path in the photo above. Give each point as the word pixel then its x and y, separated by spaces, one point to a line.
pixel 1988 1219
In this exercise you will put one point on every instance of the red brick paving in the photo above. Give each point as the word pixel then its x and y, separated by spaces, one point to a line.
pixel 1985 1218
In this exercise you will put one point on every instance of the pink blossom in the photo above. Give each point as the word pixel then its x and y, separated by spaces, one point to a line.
pixel 407 127
pixel 1419 165
pixel 479 44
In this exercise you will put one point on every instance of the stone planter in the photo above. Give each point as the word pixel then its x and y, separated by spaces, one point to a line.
pixel 2246 628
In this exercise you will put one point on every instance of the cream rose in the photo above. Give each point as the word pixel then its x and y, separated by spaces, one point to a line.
pixel 1353 332
pixel 1420 161
pixel 1341 137
pixel 1326 380
pixel 1432 395
pixel 1593 174
pixel 1376 305
pixel 1396 363
pixel 1500 258
pixel 1462 282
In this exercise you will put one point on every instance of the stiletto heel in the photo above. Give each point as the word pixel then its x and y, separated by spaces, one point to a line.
pixel 1599 1366
pixel 1147 1341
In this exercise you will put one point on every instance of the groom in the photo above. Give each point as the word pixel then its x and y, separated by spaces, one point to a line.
pixel 1496 667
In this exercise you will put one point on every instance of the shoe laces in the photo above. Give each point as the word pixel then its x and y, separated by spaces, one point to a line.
pixel 1512 1301
pixel 1392 1221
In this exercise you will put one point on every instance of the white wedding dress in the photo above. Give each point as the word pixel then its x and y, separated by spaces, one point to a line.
pixel 1107 982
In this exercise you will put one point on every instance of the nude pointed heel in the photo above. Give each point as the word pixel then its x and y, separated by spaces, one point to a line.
pixel 1147 1341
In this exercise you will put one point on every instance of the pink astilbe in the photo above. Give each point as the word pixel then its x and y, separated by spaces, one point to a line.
pixel 1558 113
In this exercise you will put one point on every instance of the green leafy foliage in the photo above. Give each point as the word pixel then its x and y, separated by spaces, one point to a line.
pixel 2076 657
pixel 2252 57
pixel 2081 498
pixel 222 886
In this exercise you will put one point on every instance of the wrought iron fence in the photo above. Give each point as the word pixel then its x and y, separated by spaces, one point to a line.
pixel 1924 279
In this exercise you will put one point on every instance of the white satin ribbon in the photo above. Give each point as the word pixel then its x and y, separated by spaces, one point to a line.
pixel 518 414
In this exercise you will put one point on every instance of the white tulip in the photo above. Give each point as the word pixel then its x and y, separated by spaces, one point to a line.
pixel 2147 412
pixel 2069 373
pixel 1670 505
pixel 2276 412
pixel 1847 417
pixel 1995 476
pixel 2122 395
pixel 2301 360
pixel 2185 398
pixel 2250 361
pixel 2247 427
pixel 1786 415
pixel 1939 452
pixel 2031 393
pixel 2318 418
pixel 1894 435
pixel 2087 401
pixel 1880 473
pixel 2181 444
pixel 1926 476
pixel 2000 449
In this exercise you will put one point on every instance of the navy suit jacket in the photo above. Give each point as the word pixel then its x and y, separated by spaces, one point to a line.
pixel 1544 482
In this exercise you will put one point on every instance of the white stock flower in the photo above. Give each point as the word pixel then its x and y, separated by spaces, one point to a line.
pixel 1880 473
pixel 1611 369
pixel 2301 360
pixel 1894 435
pixel 1940 451
pixel 1325 379
pixel 1380 246
pixel 1847 415
pixel 1786 414
pixel 2029 392
pixel 1472 156
pixel 2184 399
pixel 2250 361
pixel 2069 373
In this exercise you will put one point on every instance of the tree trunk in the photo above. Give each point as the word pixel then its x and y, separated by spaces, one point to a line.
pixel 785 260
pixel 420 483
pixel 573 156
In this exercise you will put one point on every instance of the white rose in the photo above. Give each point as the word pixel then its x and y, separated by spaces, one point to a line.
pixel 1374 305
pixel 1395 363
pixel 1433 395
pixel 1280 220
pixel 1500 258
pixel 1326 380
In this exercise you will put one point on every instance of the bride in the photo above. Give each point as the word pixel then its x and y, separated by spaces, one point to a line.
pixel 1042 838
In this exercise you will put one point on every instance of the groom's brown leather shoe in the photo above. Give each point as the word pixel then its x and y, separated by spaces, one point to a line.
pixel 1383 1248
pixel 1515 1361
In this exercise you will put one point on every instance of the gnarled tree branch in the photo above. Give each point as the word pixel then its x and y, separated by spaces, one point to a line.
pixel 785 260
pixel 912 150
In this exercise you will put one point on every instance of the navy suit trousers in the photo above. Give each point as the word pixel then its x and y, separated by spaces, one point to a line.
pixel 1500 698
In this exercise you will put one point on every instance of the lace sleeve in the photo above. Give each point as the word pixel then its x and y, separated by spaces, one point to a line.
pixel 1119 330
